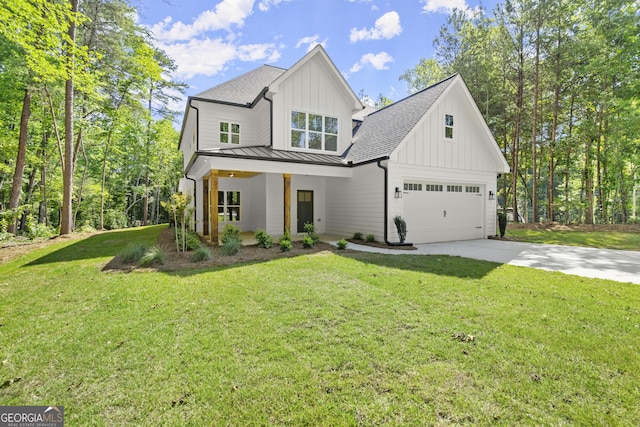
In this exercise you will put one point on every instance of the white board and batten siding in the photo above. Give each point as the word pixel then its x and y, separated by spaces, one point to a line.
pixel 254 124
pixel 313 89
pixel 460 164
pixel 356 204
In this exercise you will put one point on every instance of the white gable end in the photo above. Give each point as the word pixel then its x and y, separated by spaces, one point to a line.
pixel 311 87
pixel 471 146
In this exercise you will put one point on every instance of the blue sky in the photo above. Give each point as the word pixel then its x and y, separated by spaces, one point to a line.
pixel 372 42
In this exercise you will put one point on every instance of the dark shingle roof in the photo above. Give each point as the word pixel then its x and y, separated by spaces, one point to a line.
pixel 245 88
pixel 381 132
pixel 267 153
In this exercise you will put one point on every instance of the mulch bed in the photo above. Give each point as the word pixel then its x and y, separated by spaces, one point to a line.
pixel 249 253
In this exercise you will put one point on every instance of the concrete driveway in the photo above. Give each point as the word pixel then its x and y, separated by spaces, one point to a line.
pixel 621 266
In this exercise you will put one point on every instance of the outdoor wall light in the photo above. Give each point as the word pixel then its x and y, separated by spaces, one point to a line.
pixel 398 194
pixel 492 195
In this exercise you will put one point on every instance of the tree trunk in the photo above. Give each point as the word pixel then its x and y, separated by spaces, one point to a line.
pixel 518 119
pixel 534 131
pixel 16 188
pixel 30 186
pixel 66 218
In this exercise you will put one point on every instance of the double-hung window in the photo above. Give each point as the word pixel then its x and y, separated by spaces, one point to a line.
pixel 314 131
pixel 448 126
pixel 229 133
pixel 228 206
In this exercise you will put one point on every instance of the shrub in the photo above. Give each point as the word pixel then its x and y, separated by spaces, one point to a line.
pixel 311 233
pixel 36 230
pixel 133 252
pixel 231 247
pixel 192 241
pixel 285 245
pixel 263 238
pixel 87 227
pixel 502 223
pixel 203 253
pixel 114 219
pixel 153 255
pixel 307 242
pixel 357 236
pixel 371 238
pixel 401 226
pixel 230 232
pixel 342 244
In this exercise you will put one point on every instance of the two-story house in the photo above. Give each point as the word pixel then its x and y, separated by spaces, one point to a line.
pixel 276 148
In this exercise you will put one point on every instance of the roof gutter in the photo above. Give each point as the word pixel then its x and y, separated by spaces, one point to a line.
pixel 386 207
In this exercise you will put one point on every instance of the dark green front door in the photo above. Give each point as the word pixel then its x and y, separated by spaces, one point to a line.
pixel 305 209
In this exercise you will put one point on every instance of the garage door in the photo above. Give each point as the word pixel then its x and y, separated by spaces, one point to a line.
pixel 439 212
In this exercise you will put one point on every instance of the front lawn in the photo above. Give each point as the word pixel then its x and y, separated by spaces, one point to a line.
pixel 619 236
pixel 318 339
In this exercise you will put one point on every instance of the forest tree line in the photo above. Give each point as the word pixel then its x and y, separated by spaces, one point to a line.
pixel 86 134
pixel 558 83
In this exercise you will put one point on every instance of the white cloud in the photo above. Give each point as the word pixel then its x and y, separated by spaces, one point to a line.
pixel 265 5
pixel 446 6
pixel 386 27
pixel 226 14
pixel 311 42
pixel 210 56
pixel 378 61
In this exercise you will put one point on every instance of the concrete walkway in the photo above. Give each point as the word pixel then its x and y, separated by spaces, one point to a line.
pixel 621 266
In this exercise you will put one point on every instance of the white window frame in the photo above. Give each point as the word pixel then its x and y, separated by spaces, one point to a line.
pixel 306 132
pixel 449 126
pixel 229 132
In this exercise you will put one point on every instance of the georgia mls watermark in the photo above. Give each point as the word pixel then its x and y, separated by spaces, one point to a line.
pixel 31 416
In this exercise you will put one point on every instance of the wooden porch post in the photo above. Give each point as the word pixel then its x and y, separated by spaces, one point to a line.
pixel 213 209
pixel 287 202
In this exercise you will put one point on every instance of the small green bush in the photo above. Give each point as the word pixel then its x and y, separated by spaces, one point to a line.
pixel 307 242
pixel 342 244
pixel 230 233
pixel 36 230
pixel 133 252
pixel 231 246
pixel 192 240
pixel 357 236
pixel 263 238
pixel 371 238
pixel 311 233
pixel 285 245
pixel 401 227
pixel 87 227
pixel 114 219
pixel 201 254
pixel 153 255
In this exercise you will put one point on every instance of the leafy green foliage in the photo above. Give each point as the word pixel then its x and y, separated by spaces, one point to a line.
pixel 370 238
pixel 357 236
pixel 191 239
pixel 342 244
pixel 115 219
pixel 38 231
pixel 307 242
pixel 502 223
pixel 263 238
pixel 311 233
pixel 285 244
pixel 230 233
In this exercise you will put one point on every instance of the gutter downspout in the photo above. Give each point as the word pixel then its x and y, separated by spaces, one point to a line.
pixel 386 207
pixel 195 198
pixel 270 101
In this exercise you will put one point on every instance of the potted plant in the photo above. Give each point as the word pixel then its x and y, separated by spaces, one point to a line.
pixel 401 226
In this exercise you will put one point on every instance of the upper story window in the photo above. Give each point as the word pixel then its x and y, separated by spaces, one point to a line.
pixel 229 132
pixel 314 131
pixel 448 126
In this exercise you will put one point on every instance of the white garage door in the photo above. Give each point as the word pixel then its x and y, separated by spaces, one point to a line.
pixel 440 212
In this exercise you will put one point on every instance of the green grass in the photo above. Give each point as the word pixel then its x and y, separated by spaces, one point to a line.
pixel 321 339
pixel 593 239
